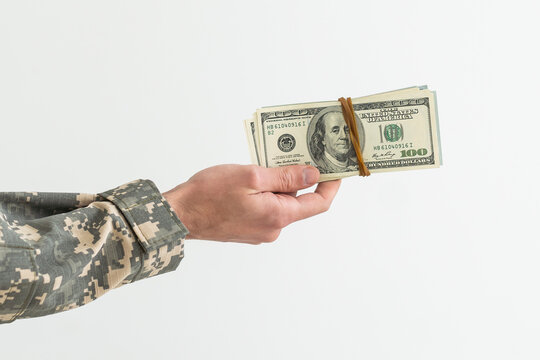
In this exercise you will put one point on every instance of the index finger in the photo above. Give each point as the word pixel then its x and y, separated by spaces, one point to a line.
pixel 316 202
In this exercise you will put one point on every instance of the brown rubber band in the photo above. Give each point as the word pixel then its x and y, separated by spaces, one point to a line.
pixel 348 114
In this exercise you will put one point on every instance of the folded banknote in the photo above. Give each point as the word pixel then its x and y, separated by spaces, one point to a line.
pixel 397 130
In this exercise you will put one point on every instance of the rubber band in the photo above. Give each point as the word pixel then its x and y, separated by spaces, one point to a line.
pixel 350 119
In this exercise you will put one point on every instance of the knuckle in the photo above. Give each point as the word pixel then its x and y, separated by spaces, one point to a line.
pixel 282 221
pixel 270 236
pixel 286 178
pixel 253 176
pixel 278 223
pixel 326 206
pixel 277 218
pixel 275 235
pixel 274 218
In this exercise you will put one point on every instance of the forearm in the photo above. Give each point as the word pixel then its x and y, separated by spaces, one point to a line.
pixel 61 251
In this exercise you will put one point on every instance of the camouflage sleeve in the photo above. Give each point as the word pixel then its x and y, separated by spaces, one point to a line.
pixel 59 251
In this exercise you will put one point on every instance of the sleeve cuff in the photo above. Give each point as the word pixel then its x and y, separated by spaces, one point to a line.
pixel 148 213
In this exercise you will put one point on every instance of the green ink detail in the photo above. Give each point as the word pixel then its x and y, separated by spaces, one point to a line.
pixel 392 133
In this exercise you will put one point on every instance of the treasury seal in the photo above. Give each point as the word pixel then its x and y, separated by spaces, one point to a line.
pixel 393 132
pixel 286 142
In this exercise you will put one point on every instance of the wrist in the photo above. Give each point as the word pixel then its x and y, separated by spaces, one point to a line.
pixel 176 199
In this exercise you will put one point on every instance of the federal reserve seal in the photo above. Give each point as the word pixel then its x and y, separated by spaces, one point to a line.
pixel 286 142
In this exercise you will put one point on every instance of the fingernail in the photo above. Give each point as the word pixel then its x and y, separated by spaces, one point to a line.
pixel 311 175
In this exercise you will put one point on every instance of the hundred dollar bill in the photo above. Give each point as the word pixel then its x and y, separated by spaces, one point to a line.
pixel 252 129
pixel 398 130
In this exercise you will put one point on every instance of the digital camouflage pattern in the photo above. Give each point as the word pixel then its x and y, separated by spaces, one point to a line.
pixel 59 251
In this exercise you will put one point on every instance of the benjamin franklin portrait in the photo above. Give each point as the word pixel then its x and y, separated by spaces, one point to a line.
pixel 329 142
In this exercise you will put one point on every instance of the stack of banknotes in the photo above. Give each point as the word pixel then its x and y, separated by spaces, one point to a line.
pixel 397 130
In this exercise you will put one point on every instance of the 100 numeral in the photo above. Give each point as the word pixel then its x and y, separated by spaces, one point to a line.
pixel 413 152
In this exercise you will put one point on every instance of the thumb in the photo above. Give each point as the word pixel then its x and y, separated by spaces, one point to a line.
pixel 287 178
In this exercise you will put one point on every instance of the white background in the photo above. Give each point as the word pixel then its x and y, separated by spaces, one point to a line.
pixel 432 264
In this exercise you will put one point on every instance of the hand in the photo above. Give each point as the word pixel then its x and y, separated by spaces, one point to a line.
pixel 248 203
